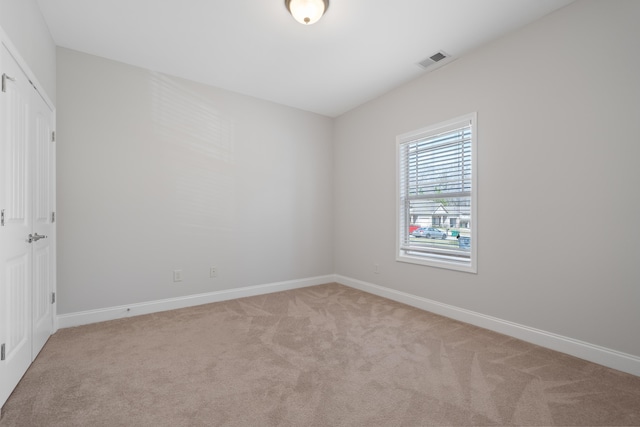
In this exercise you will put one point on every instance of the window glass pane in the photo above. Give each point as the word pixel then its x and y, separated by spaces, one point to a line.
pixel 434 219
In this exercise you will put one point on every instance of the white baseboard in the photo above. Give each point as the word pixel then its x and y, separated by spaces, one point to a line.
pixel 583 350
pixel 112 313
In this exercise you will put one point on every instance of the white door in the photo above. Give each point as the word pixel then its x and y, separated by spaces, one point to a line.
pixel 27 260
pixel 43 162
pixel 15 206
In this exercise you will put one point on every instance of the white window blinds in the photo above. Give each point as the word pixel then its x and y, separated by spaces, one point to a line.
pixel 435 180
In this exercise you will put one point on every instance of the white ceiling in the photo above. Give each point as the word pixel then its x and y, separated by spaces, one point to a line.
pixel 359 50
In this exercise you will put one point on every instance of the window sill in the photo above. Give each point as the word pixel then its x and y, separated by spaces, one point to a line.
pixel 432 261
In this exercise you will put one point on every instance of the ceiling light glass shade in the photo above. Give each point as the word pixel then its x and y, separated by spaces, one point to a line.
pixel 307 12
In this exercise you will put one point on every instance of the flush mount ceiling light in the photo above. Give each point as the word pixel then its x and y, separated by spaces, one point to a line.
pixel 307 12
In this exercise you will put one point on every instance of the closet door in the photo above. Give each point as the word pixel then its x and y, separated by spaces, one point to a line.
pixel 43 178
pixel 27 231
pixel 15 226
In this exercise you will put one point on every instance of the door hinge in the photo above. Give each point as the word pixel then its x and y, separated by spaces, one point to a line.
pixel 2 218
pixel 4 81
pixel 53 136
pixel 2 355
pixel 53 217
pixel 53 297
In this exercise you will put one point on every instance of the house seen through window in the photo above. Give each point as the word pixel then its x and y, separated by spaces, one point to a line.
pixel 437 195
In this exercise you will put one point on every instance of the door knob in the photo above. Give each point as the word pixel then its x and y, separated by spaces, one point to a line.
pixel 35 237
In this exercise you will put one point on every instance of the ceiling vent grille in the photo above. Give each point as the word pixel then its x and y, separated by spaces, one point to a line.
pixel 433 59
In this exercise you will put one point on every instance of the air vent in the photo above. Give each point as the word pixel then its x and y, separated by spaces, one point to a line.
pixel 433 59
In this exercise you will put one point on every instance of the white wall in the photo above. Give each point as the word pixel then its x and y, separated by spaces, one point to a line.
pixel 23 22
pixel 558 106
pixel 157 173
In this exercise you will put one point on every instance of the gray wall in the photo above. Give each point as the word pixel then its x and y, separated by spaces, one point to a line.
pixel 23 23
pixel 558 106
pixel 146 183
pixel 156 173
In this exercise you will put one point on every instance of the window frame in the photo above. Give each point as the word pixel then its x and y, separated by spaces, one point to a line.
pixel 433 259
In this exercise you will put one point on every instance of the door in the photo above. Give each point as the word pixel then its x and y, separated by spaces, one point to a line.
pixel 26 202
pixel 15 194
pixel 42 159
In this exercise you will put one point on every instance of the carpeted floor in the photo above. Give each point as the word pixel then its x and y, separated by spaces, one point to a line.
pixel 326 355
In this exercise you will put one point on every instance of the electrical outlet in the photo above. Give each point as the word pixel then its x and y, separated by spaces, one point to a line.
pixel 177 275
pixel 376 268
pixel 213 272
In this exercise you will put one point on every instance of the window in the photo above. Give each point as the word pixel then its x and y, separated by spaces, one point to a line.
pixel 437 180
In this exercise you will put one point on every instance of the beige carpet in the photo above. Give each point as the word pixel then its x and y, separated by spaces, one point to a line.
pixel 321 356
